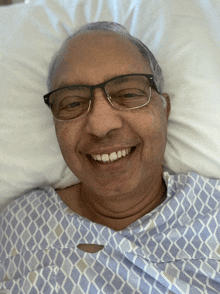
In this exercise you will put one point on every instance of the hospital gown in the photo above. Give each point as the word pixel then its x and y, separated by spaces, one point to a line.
pixel 173 249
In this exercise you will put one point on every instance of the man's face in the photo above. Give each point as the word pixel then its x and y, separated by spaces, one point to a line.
pixel 89 59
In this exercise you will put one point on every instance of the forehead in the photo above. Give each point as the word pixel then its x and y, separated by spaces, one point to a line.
pixel 100 55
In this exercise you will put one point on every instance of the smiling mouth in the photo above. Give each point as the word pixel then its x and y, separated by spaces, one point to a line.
pixel 112 157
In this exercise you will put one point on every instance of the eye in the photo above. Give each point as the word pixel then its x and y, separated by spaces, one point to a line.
pixel 72 102
pixel 71 105
pixel 129 93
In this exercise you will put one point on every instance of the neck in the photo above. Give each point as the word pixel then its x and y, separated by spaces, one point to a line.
pixel 120 211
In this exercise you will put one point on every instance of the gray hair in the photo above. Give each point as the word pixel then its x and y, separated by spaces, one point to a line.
pixel 119 29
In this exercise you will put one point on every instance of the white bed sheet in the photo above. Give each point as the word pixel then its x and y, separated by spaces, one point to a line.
pixel 183 35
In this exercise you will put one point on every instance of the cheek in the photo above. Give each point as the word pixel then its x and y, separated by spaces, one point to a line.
pixel 67 138
pixel 153 131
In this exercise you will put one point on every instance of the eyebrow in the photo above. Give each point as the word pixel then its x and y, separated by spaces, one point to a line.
pixel 117 82
pixel 120 80
pixel 107 78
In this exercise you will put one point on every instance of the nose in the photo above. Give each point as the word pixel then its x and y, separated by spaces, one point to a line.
pixel 102 117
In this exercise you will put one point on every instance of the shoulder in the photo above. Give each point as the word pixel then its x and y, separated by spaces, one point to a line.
pixel 193 195
pixel 24 204
pixel 28 207
pixel 192 181
pixel 26 223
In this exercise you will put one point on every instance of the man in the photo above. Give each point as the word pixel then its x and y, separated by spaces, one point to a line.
pixel 118 193
pixel 127 227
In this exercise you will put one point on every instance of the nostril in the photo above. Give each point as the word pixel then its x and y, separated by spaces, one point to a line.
pixel 90 248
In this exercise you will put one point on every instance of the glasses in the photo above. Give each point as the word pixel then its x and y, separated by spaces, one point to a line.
pixel 123 92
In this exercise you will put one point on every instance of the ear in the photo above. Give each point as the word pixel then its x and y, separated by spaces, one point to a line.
pixel 168 105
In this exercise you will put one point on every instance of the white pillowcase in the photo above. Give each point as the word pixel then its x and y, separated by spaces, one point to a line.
pixel 184 37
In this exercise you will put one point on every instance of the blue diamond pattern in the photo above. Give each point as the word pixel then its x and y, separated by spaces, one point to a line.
pixel 173 249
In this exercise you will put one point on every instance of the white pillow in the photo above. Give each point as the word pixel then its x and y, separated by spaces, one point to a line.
pixel 185 38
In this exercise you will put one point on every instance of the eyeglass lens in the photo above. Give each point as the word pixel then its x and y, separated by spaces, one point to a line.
pixel 125 92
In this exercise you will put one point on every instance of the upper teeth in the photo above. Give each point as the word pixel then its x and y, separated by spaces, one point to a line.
pixel 112 156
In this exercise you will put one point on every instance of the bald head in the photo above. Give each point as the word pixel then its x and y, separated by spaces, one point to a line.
pixel 89 52
pixel 108 29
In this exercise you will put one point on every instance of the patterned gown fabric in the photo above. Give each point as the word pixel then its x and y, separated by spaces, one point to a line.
pixel 173 249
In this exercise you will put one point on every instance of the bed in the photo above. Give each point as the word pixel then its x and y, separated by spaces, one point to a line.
pixel 183 35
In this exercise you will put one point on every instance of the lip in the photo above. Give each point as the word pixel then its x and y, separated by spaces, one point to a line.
pixel 117 165
pixel 108 150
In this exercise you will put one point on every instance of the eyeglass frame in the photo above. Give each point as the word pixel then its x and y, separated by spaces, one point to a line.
pixel 150 78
